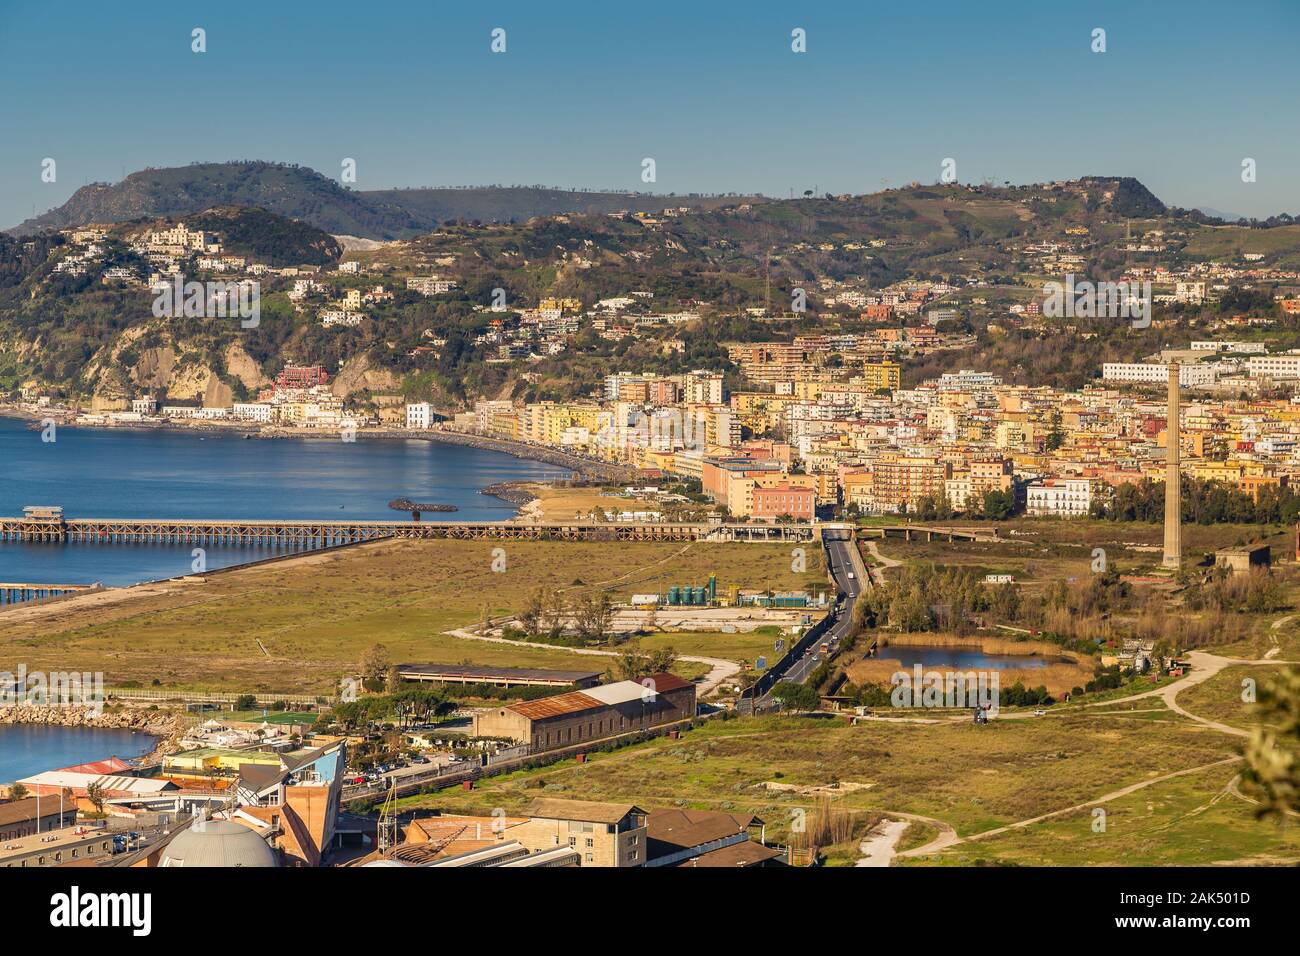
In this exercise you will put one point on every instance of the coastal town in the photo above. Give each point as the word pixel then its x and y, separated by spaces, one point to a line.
pixel 814 441
pixel 792 427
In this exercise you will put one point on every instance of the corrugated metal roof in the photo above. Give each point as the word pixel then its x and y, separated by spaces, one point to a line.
pixel 604 695
pixel 574 702
pixel 80 781
pixel 621 692
pixel 111 765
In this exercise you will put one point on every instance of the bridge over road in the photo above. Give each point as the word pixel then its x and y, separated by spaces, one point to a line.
pixel 919 532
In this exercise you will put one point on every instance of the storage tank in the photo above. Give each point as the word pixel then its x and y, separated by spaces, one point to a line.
pixel 674 595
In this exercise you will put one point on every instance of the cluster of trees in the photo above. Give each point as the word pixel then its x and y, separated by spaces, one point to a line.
pixel 414 705
pixel 1258 592
pixel 635 664
pixel 994 505
pixel 549 616
pixel 924 598
pixel 1203 502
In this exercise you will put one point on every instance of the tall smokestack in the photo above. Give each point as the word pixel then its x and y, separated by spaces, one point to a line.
pixel 1173 478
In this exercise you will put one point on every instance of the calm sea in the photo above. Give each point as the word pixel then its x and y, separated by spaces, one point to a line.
pixel 27 749
pixel 118 473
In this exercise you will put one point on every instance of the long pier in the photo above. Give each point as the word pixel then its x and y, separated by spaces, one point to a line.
pixel 308 535
pixel 13 593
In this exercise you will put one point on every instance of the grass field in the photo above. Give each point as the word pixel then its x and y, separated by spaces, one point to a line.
pixel 974 778
pixel 300 625
pixel 746 648
pixel 1196 820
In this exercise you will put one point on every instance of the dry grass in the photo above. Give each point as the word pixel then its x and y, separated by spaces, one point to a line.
pixel 302 624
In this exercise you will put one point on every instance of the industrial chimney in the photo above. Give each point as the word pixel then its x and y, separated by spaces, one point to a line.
pixel 1173 482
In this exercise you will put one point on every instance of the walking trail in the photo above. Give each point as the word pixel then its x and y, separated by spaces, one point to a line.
pixel 719 670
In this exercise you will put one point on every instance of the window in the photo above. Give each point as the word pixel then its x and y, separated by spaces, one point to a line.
pixel 590 842
pixel 589 857
pixel 573 841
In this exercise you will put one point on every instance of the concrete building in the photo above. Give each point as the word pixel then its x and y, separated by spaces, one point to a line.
pixel 1189 376
pixel 776 501
pixel 419 415
pixel 1059 497
pixel 605 834
pixel 28 816
pixel 1243 560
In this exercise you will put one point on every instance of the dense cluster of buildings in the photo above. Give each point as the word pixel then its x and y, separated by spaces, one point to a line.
pixel 814 437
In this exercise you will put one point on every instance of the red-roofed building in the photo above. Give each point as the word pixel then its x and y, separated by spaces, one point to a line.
pixel 113 765
pixel 593 713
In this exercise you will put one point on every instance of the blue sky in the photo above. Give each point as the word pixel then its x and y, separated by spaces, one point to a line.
pixel 711 91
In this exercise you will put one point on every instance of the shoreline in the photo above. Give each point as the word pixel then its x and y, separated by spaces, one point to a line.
pixel 580 465
pixel 164 726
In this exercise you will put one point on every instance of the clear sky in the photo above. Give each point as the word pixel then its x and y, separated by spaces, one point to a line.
pixel 711 90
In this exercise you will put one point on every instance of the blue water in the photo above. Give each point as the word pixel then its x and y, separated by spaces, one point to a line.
pixel 120 473
pixel 27 749
pixel 955 658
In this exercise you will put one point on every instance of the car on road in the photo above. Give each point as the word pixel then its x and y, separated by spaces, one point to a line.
pixel 419 758
pixel 1039 712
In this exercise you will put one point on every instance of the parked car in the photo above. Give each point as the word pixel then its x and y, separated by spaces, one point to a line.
pixel 418 758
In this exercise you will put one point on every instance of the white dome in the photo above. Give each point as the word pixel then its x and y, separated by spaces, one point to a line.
pixel 218 843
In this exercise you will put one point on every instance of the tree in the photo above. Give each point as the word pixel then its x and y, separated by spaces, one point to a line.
pixel 555 617
pixel 95 794
pixel 998 505
pixel 1272 774
pixel 1056 434
pixel 17 792
pixel 375 663
pixel 393 679
pixel 593 617
pixel 633 664
pixel 245 702
pixel 530 618
pixel 797 696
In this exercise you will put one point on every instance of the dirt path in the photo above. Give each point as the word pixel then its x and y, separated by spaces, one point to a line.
pixel 885 563
pixel 877 846
pixel 1204 667
pixel 1104 798
pixel 719 670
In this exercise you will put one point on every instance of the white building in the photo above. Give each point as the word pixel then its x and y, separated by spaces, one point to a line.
pixel 419 415
pixel 1274 366
pixel 253 411
pixel 332 317
pixel 1189 376
pixel 144 405
pixel 430 285
pixel 704 388
pixel 967 378
pixel 1059 497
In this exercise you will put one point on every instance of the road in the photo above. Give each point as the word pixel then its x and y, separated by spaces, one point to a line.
pixel 849 579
